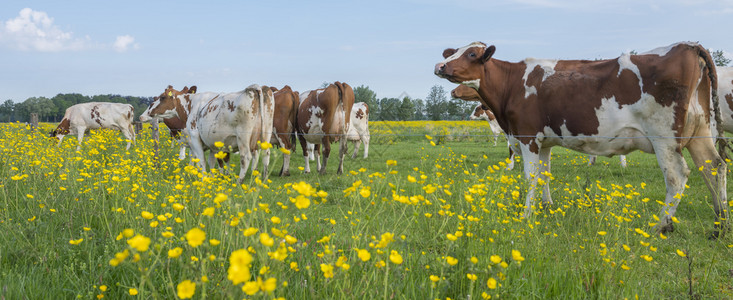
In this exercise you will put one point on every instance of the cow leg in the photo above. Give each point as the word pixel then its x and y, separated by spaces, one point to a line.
pixel 706 157
pixel 255 160
pixel 622 158
pixel 531 174
pixel 305 147
pixel 675 171
pixel 129 134
pixel 512 152
pixel 285 171
pixel 311 151
pixel 245 157
pixel 366 145
pixel 80 137
pixel 317 156
pixel 357 145
pixel 325 153
pixel 343 148
pixel 545 158
pixel 591 160
pixel 265 163
pixel 182 152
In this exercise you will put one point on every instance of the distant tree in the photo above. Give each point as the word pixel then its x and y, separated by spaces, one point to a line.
pixel 633 52
pixel 435 103
pixel 362 93
pixel 406 110
pixel 389 109
pixel 324 85
pixel 419 108
pixel 719 58
pixel 7 109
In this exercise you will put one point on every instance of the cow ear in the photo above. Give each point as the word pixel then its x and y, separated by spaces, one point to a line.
pixel 184 90
pixel 448 52
pixel 488 52
pixel 192 90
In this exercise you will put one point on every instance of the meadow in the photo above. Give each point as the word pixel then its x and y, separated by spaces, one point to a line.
pixel 431 214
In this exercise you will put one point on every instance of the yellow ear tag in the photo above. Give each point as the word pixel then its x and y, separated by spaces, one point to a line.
pixel 170 94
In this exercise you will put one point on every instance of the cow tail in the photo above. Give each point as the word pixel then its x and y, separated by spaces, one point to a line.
pixel 712 75
pixel 294 119
pixel 342 93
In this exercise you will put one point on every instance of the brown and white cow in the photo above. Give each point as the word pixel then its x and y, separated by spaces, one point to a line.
pixel 283 128
pixel 658 102
pixel 725 91
pixel 240 120
pixel 359 128
pixel 92 115
pixel 324 116
pixel 176 124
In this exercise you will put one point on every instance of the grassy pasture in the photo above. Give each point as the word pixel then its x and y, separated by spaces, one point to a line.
pixel 413 221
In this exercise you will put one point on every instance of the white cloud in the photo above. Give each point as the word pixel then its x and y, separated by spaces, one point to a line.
pixel 35 31
pixel 124 42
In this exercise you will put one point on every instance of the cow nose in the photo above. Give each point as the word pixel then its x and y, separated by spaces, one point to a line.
pixel 439 68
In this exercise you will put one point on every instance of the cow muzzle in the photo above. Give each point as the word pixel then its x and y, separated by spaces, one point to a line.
pixel 440 70
pixel 145 118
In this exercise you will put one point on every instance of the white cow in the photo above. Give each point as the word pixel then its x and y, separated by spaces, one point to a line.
pixel 92 115
pixel 479 113
pixel 725 92
pixel 359 128
pixel 240 121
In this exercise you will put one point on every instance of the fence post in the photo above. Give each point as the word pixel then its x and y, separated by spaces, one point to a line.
pixel 138 127
pixel 156 137
pixel 34 120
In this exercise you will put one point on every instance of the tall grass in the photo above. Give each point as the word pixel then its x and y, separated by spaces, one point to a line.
pixel 434 222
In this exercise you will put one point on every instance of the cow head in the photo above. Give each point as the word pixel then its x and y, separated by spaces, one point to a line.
pixel 465 65
pixel 466 93
pixel 164 106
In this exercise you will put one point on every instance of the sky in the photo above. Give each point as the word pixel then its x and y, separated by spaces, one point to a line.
pixel 138 48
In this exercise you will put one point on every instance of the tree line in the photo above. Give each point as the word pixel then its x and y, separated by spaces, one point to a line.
pixel 53 109
pixel 436 106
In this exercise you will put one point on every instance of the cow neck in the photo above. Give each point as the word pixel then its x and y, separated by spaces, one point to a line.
pixel 496 88
pixel 181 110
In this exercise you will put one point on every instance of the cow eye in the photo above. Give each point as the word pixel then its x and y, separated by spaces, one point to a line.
pixel 472 55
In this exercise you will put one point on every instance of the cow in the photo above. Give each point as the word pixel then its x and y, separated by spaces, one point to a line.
pixel 92 115
pixel 241 121
pixel 659 102
pixel 725 90
pixel 324 116
pixel 284 121
pixel 484 113
pixel 359 128
pixel 176 124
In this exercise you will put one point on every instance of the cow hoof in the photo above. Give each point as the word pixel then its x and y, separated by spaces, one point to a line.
pixel 284 174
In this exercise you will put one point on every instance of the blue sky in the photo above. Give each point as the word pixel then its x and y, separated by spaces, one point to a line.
pixel 139 47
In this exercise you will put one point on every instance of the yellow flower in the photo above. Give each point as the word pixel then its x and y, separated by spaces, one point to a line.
pixel 132 291
pixel 391 162
pixel 327 270
pixel 195 237
pixel 250 231
pixel 265 146
pixel 214 242
pixel 147 215
pixel 75 242
pixel 471 277
pixel 395 257
pixel 365 192
pixel 220 155
pixel 220 198
pixel 178 206
pixel 209 212
pixel 364 255
pixel 103 288
pixel 290 240
pixel 266 240
pixel 451 260
pixel 239 265
pixel 491 283
pixel 251 288
pixel 175 252
pixel 275 220
pixel 434 278
pixel 517 256
pixel 270 284
pixel 495 259
pixel 218 144
pixel 681 253
pixel 186 289
pixel 601 233
pixel 139 242
pixel 451 237
pixel 284 151
pixel 302 202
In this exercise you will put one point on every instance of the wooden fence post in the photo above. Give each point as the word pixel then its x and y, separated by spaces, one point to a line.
pixel 138 127
pixel 156 137
pixel 34 121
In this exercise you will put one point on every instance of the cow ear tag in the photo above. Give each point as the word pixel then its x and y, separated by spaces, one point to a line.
pixel 170 94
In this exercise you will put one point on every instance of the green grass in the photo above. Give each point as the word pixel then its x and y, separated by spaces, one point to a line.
pixel 107 190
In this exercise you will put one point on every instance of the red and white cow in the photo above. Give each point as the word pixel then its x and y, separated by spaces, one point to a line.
pixel 92 115
pixel 324 116
pixel 359 128
pixel 240 121
pixel 176 124
pixel 284 121
pixel 480 112
pixel 725 91
pixel 658 102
